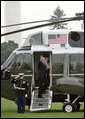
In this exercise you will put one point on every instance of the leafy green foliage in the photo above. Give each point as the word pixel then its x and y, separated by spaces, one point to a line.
pixel 6 49
pixel 58 15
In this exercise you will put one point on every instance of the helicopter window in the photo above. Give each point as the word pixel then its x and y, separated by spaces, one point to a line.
pixel 35 39
pixel 76 64
pixel 22 64
pixel 8 63
pixel 74 36
pixel 76 39
pixel 58 64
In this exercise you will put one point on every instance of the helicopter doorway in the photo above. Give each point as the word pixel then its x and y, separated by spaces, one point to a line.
pixel 46 100
pixel 37 56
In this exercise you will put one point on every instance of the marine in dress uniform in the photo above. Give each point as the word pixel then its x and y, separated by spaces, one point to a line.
pixel 21 90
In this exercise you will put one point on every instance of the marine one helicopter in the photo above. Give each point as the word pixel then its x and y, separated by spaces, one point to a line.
pixel 65 51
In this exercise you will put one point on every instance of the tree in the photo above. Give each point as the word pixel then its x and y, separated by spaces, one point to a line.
pixel 58 14
pixel 7 49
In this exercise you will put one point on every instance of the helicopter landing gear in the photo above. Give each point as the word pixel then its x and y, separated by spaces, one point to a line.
pixel 69 106
pixel 77 106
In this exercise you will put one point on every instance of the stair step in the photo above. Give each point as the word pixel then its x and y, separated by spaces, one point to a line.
pixel 36 101
pixel 39 107
pixel 41 103
pixel 43 97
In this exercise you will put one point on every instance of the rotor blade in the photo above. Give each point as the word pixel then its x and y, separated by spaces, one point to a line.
pixel 24 23
pixel 43 25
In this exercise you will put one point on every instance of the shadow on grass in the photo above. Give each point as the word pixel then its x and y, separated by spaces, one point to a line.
pixel 80 111
pixel 9 111
pixel 49 111
pixel 42 111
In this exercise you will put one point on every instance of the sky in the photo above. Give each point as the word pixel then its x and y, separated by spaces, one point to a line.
pixel 39 10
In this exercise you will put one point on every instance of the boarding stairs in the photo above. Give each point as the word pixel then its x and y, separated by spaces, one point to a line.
pixel 43 103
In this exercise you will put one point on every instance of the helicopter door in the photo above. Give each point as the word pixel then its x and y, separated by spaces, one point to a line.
pixel 46 100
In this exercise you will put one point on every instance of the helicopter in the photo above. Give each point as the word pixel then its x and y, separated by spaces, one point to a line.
pixel 66 59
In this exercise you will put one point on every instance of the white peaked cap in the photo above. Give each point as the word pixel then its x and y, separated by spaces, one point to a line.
pixel 21 74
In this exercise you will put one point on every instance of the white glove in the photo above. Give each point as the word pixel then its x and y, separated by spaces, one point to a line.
pixel 25 95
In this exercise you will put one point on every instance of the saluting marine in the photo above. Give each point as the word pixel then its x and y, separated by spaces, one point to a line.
pixel 21 87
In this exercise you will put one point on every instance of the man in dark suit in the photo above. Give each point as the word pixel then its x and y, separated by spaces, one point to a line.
pixel 43 76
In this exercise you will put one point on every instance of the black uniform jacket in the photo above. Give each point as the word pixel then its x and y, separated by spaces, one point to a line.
pixel 20 84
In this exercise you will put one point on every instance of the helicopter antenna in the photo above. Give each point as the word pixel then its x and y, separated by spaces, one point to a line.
pixel 46 24
pixel 80 14
pixel 24 23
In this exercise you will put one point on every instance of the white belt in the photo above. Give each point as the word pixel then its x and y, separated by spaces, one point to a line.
pixel 18 87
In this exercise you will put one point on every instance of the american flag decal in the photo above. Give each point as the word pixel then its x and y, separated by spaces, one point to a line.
pixel 57 38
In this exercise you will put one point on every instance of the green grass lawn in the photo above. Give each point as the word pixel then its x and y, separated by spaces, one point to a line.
pixel 9 110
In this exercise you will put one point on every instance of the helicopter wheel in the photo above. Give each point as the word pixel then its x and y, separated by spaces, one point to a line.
pixel 68 107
